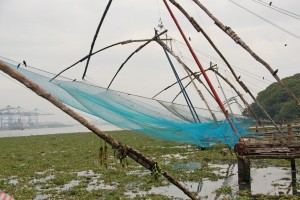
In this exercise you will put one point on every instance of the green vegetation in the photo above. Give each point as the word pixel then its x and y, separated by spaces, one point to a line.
pixel 278 103
pixel 68 166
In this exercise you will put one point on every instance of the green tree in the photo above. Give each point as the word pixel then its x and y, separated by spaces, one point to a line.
pixel 278 103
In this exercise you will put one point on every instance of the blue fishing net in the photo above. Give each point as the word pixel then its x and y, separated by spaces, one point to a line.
pixel 164 120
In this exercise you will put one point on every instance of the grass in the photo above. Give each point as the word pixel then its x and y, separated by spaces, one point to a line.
pixel 46 165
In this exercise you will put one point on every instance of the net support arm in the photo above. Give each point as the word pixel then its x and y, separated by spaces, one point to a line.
pixel 95 36
pixel 137 50
pixel 98 51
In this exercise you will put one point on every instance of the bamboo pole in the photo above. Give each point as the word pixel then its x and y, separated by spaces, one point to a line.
pixel 95 36
pixel 132 153
pixel 100 50
pixel 199 29
pixel 200 93
pixel 239 41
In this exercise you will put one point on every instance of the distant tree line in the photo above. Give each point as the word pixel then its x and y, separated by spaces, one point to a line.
pixel 278 103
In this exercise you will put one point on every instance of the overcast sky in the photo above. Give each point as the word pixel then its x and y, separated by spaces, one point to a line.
pixel 51 35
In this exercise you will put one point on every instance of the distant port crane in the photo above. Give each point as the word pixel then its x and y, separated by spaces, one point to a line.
pixel 12 118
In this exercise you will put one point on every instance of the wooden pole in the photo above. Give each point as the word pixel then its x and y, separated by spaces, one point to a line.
pixel 293 165
pixel 244 170
pixel 199 29
pixel 294 176
pixel 100 50
pixel 95 36
pixel 132 153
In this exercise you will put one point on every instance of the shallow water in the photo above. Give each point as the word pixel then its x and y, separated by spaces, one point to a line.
pixel 48 131
pixel 270 180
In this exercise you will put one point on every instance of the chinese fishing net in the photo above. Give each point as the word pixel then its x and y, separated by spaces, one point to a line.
pixel 164 120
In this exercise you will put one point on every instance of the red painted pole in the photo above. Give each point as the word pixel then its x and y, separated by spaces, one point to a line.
pixel 202 69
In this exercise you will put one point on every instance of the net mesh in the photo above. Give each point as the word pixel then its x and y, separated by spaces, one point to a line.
pixel 164 120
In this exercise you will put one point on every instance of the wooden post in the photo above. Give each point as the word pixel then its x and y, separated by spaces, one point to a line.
pixel 294 178
pixel 293 166
pixel 289 129
pixel 243 170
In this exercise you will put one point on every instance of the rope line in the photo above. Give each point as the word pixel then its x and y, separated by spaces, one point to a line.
pixel 285 12
pixel 266 20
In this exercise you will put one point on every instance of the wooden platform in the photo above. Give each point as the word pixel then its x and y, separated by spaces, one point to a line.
pixel 266 146
pixel 269 146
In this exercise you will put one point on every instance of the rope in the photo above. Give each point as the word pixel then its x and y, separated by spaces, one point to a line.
pixel 266 20
pixel 285 12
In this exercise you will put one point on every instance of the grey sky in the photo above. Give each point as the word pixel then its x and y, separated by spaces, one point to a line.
pixel 51 35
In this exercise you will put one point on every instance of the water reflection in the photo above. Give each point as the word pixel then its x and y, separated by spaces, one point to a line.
pixel 272 180
pixel 267 181
pixel 293 183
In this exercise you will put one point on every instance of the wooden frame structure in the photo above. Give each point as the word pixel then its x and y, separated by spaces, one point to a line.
pixel 267 146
